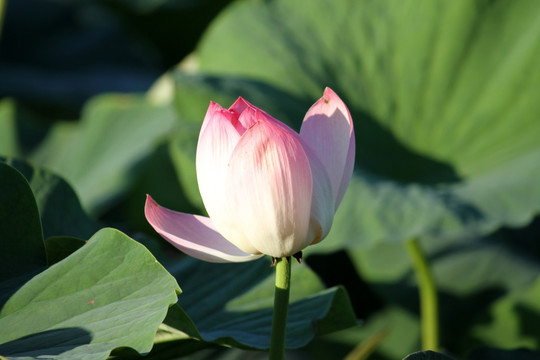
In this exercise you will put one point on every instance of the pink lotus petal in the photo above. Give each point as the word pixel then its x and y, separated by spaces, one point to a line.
pixel 269 190
pixel 217 140
pixel 328 129
pixel 240 105
pixel 249 114
pixel 216 112
pixel 248 117
pixel 194 235
pixel 212 109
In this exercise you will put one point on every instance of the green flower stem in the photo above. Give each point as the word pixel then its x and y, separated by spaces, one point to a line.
pixel 281 307
pixel 429 312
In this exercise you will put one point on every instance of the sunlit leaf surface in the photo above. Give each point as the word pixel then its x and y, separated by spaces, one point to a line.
pixel 444 97
pixel 111 293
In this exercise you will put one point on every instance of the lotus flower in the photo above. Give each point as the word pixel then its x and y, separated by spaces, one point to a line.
pixel 266 188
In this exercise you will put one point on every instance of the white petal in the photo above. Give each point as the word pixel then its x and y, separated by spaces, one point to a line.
pixel 217 140
pixel 322 202
pixel 269 190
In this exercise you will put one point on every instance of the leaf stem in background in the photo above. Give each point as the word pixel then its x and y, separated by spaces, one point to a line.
pixel 429 312
pixel 281 307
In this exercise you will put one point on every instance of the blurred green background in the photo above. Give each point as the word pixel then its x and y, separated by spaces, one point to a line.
pixel 109 95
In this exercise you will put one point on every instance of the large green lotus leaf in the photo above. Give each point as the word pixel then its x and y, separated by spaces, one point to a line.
pixel 110 293
pixel 22 252
pixel 99 155
pixel 514 321
pixel 443 94
pixel 416 209
pixel 231 304
pixel 59 208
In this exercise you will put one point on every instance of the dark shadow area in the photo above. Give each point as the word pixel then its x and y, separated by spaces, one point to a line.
pixel 60 247
pixel 46 343
pixel 467 213
pixel 197 300
pixel 500 354
pixel 11 285
pixel 427 355
pixel 324 348
pixel 457 314
pixel 22 252
pixel 337 269
pixel 525 238
pixel 59 208
pixel 226 89
pixel 32 125
pixel 55 55
pixel 492 262
pixel 71 52
pixel 172 28
pixel 378 151
pixel 529 321
pixel 173 350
